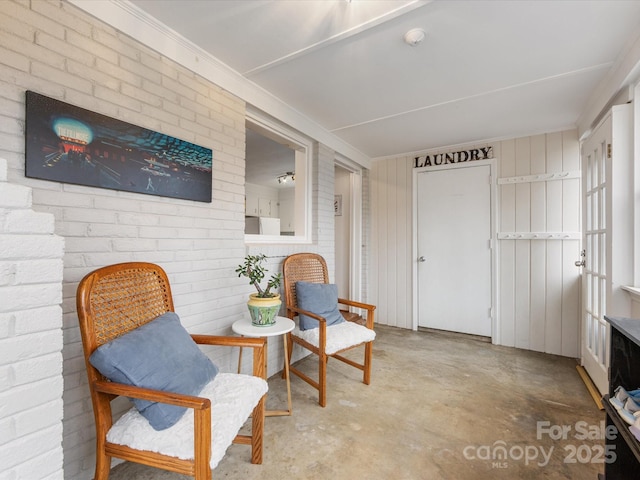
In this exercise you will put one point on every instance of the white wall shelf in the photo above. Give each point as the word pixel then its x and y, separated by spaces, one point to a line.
pixel 540 177
pixel 539 236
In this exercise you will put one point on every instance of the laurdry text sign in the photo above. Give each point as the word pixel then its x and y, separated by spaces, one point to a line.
pixel 462 156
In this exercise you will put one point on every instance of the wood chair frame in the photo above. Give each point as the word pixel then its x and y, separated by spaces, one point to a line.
pixel 311 267
pixel 116 299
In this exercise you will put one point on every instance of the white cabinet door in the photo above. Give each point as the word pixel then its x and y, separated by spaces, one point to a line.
pixel 251 205
pixel 264 207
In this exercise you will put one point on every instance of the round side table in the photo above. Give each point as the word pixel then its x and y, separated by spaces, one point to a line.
pixel 282 326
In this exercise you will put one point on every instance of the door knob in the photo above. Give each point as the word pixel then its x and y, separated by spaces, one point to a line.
pixel 422 259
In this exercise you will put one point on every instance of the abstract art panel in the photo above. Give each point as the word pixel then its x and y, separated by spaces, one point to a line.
pixel 69 144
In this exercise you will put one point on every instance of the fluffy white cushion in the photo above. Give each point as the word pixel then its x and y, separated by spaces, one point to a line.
pixel 233 398
pixel 339 336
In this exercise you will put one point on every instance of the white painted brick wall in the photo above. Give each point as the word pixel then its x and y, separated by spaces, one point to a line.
pixel 30 338
pixel 51 47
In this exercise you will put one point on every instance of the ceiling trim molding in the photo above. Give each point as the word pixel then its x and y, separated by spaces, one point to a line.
pixel 134 22
pixel 485 93
pixel 374 22
pixel 625 73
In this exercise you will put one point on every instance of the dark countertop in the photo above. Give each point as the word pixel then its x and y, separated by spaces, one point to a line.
pixel 629 326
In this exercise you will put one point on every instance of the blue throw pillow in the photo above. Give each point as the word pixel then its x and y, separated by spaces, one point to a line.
pixel 318 298
pixel 160 355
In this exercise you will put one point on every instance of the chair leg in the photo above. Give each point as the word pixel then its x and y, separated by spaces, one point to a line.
pixel 203 472
pixel 290 350
pixel 322 380
pixel 257 431
pixel 103 466
pixel 368 350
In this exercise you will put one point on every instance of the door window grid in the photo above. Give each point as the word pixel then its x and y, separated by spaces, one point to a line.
pixel 595 261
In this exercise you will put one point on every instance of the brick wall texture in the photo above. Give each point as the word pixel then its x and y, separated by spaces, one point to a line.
pixel 55 49
pixel 31 411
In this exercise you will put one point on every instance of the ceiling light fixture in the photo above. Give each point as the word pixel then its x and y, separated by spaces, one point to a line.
pixel 286 177
pixel 414 36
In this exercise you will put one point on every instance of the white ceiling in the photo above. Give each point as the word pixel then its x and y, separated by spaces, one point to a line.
pixel 487 69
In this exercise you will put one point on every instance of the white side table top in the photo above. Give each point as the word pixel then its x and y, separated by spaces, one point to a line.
pixel 245 328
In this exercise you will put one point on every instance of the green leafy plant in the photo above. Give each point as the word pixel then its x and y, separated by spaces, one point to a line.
pixel 253 269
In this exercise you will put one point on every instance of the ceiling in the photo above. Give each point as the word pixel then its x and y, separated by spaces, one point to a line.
pixel 487 69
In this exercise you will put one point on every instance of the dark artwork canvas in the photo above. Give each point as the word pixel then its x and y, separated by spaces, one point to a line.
pixel 65 143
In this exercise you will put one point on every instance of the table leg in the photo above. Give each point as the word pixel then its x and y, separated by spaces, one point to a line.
pixel 279 413
pixel 286 372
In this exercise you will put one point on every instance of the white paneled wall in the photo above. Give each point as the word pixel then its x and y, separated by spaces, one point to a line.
pixel 391 262
pixel 538 284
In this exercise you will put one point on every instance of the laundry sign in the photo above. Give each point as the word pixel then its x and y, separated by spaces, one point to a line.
pixel 462 156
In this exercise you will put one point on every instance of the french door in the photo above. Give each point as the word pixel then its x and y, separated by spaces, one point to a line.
pixel 607 196
pixel 595 332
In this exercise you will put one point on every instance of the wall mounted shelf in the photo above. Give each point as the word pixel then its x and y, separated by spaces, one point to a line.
pixel 539 236
pixel 540 177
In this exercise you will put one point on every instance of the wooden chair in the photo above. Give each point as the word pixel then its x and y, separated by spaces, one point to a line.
pixel 326 341
pixel 118 299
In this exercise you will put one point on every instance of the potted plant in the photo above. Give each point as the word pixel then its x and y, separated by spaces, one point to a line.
pixel 265 304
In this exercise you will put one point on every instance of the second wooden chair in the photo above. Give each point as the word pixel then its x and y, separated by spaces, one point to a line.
pixel 326 340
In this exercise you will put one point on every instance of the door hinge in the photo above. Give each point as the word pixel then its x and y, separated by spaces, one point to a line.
pixel 608 150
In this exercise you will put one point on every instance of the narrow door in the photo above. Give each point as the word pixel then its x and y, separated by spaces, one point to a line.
pixel 342 213
pixel 454 249
pixel 348 230
pixel 595 333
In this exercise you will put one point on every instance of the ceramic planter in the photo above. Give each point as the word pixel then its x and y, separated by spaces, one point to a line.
pixel 263 311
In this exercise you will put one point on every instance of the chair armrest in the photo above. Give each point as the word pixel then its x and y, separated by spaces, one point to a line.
pixel 308 313
pixel 366 306
pixel 258 344
pixel 224 341
pixel 171 398
pixel 353 303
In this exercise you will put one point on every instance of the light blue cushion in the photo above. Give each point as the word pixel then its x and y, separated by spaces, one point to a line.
pixel 160 355
pixel 318 298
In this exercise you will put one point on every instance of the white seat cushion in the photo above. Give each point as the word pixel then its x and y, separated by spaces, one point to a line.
pixel 339 336
pixel 233 398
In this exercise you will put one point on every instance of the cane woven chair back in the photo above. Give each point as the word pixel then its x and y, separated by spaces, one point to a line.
pixel 116 300
pixel 305 267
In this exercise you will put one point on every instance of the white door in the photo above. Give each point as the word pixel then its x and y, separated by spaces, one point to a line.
pixel 454 249
pixel 342 212
pixel 595 333
pixel 348 229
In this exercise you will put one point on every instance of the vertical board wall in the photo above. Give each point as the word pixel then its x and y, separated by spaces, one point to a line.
pixel 538 284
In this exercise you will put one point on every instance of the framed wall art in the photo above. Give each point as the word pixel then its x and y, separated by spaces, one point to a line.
pixel 69 144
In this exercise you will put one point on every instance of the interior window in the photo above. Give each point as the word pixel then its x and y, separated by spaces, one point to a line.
pixel 276 183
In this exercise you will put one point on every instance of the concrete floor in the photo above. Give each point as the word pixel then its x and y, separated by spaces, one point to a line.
pixel 439 406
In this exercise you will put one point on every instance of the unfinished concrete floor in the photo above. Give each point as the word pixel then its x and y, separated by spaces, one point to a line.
pixel 439 407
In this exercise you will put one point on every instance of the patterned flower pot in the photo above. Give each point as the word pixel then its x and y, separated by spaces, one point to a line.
pixel 263 311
